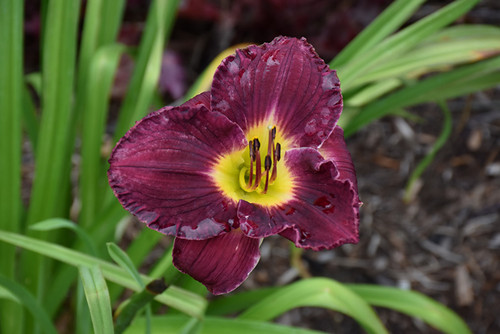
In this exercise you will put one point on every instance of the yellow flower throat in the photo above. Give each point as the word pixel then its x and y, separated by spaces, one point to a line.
pixel 256 174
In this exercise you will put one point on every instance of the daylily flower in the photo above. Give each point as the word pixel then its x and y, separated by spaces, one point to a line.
pixel 258 155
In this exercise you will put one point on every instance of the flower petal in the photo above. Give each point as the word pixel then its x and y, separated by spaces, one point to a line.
pixel 283 82
pixel 323 214
pixel 221 263
pixel 335 149
pixel 159 170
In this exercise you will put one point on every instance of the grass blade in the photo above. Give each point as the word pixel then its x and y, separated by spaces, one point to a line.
pixel 101 72
pixel 433 57
pixel 413 304
pixel 11 110
pixel 57 83
pixel 49 196
pixel 27 299
pixel 394 46
pixel 439 87
pixel 422 165
pixel 122 259
pixel 96 293
pixel 128 309
pixel 386 23
pixel 215 325
pixel 182 300
pixel 317 292
pixel 147 68
pixel 57 223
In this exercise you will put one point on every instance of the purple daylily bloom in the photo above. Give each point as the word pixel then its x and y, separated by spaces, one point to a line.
pixel 258 155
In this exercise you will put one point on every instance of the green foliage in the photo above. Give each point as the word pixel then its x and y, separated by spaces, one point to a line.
pixel 383 71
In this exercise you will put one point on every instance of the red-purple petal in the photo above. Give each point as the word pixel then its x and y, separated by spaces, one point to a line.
pixel 323 214
pixel 159 170
pixel 284 80
pixel 221 263
pixel 335 149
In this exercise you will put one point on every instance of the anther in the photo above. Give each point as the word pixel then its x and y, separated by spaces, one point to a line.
pixel 276 158
pixel 267 167
pixel 267 163
pixel 258 172
pixel 256 146
pixel 252 158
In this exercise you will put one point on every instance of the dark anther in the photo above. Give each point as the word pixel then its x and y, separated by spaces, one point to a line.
pixel 278 151
pixel 273 132
pixel 267 163
pixel 256 145
pixel 250 148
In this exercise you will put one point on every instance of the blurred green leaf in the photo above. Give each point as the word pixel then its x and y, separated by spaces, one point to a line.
pixel 234 303
pixel 318 292
pixel 182 300
pixel 96 293
pixel 433 57
pixel 144 79
pixel 386 23
pixel 122 259
pixel 57 223
pixel 422 165
pixel 28 301
pixel 463 80
pixel 392 47
pixel 99 80
pixel 214 325
pixel 11 111
pixel 413 304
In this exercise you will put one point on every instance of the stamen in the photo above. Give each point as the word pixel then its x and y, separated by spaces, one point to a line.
pixel 258 172
pixel 276 158
pixel 267 167
pixel 252 158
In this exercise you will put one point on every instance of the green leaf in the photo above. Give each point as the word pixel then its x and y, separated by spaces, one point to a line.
pixel 57 89
pixel 386 23
pixel 422 165
pixel 95 103
pixel 140 247
pixel 49 195
pixel 433 57
pixel 182 300
pixel 413 304
pixel 147 68
pixel 127 311
pixel 57 223
pixel 11 112
pixel 392 47
pixel 439 87
pixel 215 325
pixel 317 292
pixel 234 303
pixel 28 301
pixel 96 293
pixel 122 259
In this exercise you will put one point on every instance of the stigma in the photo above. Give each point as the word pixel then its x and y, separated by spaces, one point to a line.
pixel 269 163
